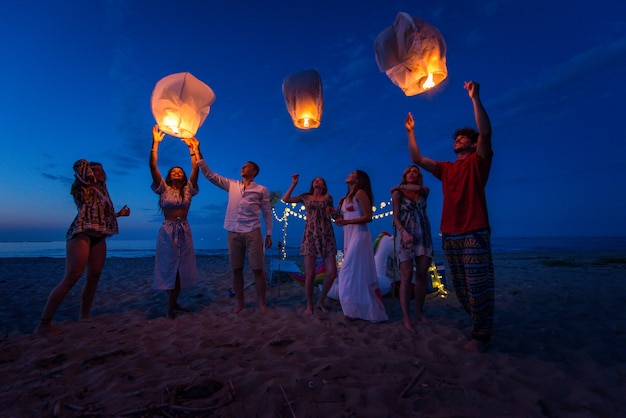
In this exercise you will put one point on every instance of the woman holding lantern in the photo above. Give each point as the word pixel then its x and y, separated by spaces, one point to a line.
pixel 416 243
pixel 359 293
pixel 86 241
pixel 175 262
pixel 318 240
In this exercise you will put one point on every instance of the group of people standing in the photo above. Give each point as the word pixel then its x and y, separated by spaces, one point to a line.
pixel 464 226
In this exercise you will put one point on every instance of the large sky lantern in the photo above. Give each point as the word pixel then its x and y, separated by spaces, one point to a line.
pixel 304 98
pixel 412 53
pixel 180 104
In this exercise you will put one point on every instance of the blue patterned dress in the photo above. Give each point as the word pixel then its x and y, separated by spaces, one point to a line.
pixel 415 221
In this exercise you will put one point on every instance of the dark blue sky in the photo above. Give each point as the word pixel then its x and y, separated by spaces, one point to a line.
pixel 77 78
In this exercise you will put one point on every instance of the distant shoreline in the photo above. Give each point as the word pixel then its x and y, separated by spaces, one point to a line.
pixel 146 248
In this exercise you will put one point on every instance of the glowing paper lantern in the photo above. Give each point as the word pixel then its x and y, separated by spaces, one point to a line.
pixel 304 98
pixel 180 104
pixel 412 53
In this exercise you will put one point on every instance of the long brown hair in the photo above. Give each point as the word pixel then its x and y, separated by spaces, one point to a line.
pixel 324 189
pixel 362 182
pixel 420 178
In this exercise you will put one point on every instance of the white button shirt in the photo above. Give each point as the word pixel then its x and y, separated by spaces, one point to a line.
pixel 244 205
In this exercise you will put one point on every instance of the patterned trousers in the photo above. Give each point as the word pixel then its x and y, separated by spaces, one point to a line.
pixel 471 267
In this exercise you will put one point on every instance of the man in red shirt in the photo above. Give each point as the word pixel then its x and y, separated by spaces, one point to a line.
pixel 464 219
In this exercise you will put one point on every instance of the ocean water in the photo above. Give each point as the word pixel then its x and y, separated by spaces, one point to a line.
pixel 146 248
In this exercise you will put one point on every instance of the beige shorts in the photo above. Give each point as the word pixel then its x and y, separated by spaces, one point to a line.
pixel 239 243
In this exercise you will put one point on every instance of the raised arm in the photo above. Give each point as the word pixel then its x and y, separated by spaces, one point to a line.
pixel 220 181
pixel 194 150
pixel 287 196
pixel 157 137
pixel 483 124
pixel 414 151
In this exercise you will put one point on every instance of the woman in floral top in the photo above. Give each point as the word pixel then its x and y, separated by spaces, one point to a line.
pixel 86 241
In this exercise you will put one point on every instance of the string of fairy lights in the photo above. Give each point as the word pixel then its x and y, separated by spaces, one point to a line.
pixel 298 211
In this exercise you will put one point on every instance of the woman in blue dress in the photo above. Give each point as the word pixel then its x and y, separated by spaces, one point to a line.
pixel 416 243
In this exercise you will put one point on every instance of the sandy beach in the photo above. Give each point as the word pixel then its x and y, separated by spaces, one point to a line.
pixel 558 349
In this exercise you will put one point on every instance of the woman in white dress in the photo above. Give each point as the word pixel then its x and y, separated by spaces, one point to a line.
pixel 358 289
pixel 175 262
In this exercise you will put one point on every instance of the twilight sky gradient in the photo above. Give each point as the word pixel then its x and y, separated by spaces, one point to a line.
pixel 77 78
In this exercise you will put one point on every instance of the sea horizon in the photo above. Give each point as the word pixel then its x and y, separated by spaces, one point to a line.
pixel 147 248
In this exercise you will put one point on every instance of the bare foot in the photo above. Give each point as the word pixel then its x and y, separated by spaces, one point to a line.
pixel 49 330
pixel 308 310
pixel 264 308
pixel 238 309
pixel 476 346
pixel 422 319
pixel 407 324
pixel 322 307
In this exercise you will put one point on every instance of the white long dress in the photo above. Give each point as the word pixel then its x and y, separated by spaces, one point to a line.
pixel 175 255
pixel 358 289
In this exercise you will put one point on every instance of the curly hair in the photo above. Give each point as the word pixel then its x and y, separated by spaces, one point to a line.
pixel 468 132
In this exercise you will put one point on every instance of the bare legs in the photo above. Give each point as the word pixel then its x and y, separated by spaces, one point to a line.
pixel 172 298
pixel 309 282
pixel 406 275
pixel 421 270
pixel 81 254
pixel 330 264
pixel 259 281
pixel 238 288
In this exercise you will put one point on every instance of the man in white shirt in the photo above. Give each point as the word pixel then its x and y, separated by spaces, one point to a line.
pixel 247 201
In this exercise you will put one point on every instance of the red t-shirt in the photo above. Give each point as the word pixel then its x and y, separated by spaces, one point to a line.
pixel 464 201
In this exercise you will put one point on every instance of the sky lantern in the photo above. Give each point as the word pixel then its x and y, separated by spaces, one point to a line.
pixel 304 98
pixel 180 104
pixel 412 53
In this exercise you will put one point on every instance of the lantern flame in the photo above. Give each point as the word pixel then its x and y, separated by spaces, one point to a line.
pixel 171 124
pixel 429 83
